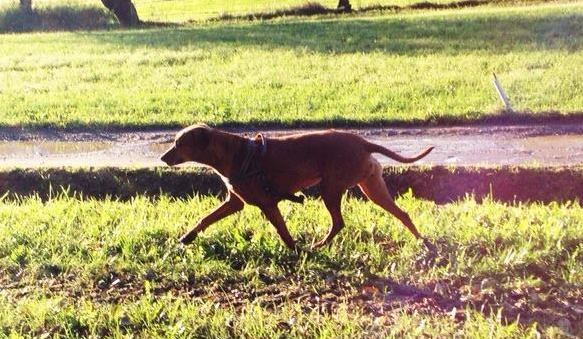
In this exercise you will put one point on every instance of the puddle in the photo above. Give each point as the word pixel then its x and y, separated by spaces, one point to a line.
pixel 18 149
pixel 553 142
pixel 558 148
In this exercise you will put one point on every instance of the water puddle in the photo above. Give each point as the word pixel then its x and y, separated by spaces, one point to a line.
pixel 553 142
pixel 44 148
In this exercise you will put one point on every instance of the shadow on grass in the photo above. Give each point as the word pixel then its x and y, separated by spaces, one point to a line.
pixel 68 18
pixel 438 183
pixel 49 130
pixel 315 8
pixel 382 295
pixel 58 18
pixel 408 36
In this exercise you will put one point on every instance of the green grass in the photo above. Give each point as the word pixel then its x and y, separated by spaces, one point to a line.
pixel 410 67
pixel 104 267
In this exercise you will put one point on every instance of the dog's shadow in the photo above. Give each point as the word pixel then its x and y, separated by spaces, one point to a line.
pixel 238 255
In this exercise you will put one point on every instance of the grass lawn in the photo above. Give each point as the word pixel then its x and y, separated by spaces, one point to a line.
pixel 408 67
pixel 104 267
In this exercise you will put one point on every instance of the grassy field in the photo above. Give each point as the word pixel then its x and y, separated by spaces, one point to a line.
pixel 104 267
pixel 409 67
pixel 75 266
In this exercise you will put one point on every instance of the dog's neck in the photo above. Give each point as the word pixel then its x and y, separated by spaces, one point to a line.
pixel 222 155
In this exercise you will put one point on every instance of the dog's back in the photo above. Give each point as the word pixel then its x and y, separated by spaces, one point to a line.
pixel 336 147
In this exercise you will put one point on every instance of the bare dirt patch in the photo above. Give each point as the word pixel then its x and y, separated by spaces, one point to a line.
pixel 550 144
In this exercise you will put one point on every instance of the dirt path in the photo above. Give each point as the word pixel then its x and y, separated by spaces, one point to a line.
pixel 549 144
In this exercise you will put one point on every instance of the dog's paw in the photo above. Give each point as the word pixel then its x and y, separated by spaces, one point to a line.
pixel 429 246
pixel 188 238
pixel 429 256
pixel 318 245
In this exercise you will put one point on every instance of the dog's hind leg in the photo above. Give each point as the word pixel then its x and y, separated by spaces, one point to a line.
pixel 231 205
pixel 332 197
pixel 374 187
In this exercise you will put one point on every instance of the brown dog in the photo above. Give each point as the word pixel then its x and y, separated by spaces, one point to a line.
pixel 263 171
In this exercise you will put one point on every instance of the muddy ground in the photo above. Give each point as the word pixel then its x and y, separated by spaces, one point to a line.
pixel 550 144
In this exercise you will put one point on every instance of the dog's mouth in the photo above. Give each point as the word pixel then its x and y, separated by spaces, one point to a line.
pixel 171 157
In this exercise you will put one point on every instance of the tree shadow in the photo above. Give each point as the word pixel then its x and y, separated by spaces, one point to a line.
pixel 315 8
pixel 448 35
pixel 57 18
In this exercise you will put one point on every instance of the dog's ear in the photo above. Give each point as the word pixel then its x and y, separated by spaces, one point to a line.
pixel 201 138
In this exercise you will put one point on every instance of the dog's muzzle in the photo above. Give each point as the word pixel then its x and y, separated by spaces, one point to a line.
pixel 170 157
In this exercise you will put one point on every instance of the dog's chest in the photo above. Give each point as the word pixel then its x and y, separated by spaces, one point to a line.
pixel 225 180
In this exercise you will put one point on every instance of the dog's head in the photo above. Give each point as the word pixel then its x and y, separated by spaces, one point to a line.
pixel 189 145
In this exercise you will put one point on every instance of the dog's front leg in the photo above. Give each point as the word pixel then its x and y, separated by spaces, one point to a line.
pixel 274 216
pixel 232 205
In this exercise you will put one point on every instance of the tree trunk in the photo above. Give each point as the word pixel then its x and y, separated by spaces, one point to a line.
pixel 344 5
pixel 26 6
pixel 124 11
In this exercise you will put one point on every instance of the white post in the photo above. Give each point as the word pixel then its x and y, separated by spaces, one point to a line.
pixel 502 94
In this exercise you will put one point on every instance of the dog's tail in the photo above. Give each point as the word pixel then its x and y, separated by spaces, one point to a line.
pixel 374 148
